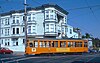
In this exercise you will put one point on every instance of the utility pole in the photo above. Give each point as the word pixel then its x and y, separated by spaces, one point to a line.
pixel 25 21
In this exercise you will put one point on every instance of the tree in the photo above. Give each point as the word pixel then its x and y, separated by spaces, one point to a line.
pixel 87 35
pixel 96 42
pixel 83 36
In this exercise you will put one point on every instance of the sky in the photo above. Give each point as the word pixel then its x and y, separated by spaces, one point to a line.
pixel 83 14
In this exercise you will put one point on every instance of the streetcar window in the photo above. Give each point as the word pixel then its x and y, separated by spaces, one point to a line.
pixel 69 44
pixel 73 44
pixel 56 44
pixel 52 44
pixel 85 44
pixel 62 44
pixel 44 44
pixel 78 44
pixel 35 43
pixel 48 44
pixel 30 44
pixel 41 44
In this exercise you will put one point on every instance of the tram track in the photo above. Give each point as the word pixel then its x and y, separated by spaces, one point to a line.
pixel 48 59
pixel 7 60
pixel 22 58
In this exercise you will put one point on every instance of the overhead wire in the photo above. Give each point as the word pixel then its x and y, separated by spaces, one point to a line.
pixel 82 14
pixel 79 16
pixel 90 7
pixel 83 7
pixel 76 9
pixel 30 5
pixel 91 10
pixel 9 1
pixel 1 9
pixel 72 9
pixel 37 2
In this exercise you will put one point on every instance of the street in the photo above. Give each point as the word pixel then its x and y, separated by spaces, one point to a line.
pixel 84 58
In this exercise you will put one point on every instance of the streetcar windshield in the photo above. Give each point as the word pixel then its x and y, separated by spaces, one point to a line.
pixel 30 44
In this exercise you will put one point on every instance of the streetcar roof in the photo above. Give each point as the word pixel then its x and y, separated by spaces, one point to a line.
pixel 55 39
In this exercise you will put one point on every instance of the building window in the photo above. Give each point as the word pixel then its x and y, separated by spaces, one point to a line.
pixel 8 43
pixel 34 30
pixel 15 40
pixel 47 11
pixel 16 43
pixel 62 29
pixel 5 44
pixel 66 29
pixel 23 41
pixel 23 29
pixel 1 31
pixel 33 18
pixel 29 18
pixel 7 21
pixel 8 31
pixel 13 21
pixel 17 17
pixel 2 41
pixel 17 21
pixel 13 30
pixel 5 31
pixel 51 11
pixel 1 21
pixel 70 31
pixel 23 18
pixel 13 17
pixel 29 29
pixel 47 16
pixel 51 16
pixel 17 31
pixel 47 27
pixel 52 27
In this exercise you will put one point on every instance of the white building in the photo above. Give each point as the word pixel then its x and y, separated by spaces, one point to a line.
pixel 90 44
pixel 48 20
pixel 72 32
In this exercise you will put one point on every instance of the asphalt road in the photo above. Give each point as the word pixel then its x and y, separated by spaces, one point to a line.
pixel 84 58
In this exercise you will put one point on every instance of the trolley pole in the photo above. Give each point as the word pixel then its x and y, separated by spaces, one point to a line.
pixel 25 21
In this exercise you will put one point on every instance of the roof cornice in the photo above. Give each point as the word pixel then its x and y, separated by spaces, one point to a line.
pixel 36 8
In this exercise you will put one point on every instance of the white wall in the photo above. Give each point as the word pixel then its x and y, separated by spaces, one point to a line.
pixel 72 34
pixel 39 25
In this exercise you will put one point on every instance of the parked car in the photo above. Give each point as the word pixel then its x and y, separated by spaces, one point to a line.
pixel 92 51
pixel 4 50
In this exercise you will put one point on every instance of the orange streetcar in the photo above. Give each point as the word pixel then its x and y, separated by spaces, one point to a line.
pixel 39 46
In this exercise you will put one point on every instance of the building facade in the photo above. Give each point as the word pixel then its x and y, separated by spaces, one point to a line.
pixel 48 20
pixel 72 32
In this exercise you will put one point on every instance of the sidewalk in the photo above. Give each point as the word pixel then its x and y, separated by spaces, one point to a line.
pixel 18 53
